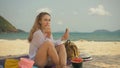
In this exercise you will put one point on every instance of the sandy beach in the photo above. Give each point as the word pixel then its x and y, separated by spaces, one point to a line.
pixel 104 54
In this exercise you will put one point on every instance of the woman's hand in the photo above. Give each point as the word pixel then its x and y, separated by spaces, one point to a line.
pixel 47 31
pixel 66 35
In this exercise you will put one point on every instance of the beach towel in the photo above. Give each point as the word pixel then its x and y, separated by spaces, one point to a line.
pixel 11 63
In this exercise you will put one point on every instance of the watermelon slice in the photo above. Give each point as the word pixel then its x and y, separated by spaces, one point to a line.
pixel 77 60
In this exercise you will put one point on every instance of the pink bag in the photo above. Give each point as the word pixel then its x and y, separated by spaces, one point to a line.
pixel 25 63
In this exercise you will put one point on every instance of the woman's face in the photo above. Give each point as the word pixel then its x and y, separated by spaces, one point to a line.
pixel 45 21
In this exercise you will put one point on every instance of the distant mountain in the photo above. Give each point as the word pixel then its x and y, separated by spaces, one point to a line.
pixel 106 31
pixel 6 26
pixel 101 31
pixel 19 30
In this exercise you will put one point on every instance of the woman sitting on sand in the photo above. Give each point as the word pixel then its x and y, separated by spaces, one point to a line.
pixel 43 49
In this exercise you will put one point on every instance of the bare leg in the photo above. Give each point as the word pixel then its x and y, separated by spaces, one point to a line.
pixel 62 55
pixel 47 48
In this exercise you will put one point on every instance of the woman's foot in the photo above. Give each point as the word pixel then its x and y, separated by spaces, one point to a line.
pixel 66 34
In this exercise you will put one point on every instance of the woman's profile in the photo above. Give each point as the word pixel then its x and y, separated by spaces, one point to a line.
pixel 44 50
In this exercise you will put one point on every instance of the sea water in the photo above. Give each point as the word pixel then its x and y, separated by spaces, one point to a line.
pixel 74 36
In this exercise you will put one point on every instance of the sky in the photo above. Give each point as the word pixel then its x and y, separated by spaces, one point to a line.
pixel 77 15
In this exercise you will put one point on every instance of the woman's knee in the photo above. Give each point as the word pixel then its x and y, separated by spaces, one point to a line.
pixel 61 46
pixel 48 43
pixel 61 49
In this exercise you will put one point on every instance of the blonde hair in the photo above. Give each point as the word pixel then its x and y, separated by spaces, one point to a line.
pixel 36 25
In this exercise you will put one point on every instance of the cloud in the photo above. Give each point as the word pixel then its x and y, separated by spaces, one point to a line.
pixel 99 10
pixel 44 10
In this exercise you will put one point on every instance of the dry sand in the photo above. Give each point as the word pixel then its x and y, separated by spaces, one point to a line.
pixel 104 54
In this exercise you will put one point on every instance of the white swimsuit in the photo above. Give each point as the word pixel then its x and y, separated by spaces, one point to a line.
pixel 38 39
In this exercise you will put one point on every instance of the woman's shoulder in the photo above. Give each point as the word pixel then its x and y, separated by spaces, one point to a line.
pixel 38 32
